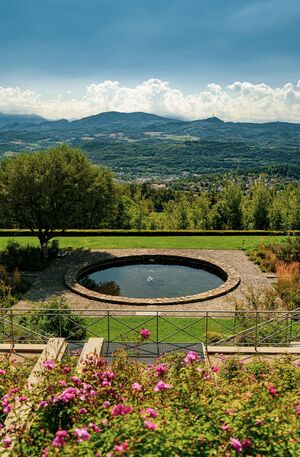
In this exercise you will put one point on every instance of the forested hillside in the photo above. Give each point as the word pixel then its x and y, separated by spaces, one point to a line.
pixel 140 145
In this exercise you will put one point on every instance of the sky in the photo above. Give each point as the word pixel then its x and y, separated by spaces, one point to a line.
pixel 237 59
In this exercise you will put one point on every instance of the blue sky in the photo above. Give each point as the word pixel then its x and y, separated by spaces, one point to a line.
pixel 61 46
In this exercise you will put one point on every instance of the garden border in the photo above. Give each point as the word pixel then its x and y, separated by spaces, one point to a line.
pixel 119 232
pixel 232 280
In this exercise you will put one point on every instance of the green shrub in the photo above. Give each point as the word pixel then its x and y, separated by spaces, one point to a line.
pixel 26 258
pixel 117 409
pixel 54 318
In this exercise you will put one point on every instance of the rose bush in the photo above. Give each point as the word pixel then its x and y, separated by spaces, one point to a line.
pixel 178 406
pixel 13 376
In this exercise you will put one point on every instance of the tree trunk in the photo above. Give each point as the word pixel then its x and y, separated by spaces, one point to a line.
pixel 44 246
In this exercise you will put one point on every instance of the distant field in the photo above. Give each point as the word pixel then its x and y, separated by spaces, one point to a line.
pixel 154 242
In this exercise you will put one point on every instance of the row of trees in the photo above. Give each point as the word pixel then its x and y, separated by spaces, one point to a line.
pixel 52 190
pixel 259 208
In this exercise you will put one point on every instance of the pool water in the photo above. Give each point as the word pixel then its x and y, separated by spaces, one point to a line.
pixel 152 280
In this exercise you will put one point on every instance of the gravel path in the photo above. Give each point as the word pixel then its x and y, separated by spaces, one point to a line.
pixel 50 282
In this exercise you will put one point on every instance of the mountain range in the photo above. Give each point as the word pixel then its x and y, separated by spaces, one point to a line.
pixel 144 126
pixel 139 145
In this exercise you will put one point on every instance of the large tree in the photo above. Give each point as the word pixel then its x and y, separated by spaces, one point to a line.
pixel 49 191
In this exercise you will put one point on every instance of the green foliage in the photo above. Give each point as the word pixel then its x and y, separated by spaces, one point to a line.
pixel 54 318
pixel 199 413
pixel 267 255
pixel 51 190
pixel 13 375
pixel 26 257
pixel 12 285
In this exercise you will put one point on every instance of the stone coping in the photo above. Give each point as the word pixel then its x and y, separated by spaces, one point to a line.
pixel 232 279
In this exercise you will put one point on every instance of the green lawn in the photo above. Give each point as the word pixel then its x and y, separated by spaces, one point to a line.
pixel 169 329
pixel 155 242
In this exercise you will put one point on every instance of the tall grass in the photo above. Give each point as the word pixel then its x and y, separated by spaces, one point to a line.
pixel 288 282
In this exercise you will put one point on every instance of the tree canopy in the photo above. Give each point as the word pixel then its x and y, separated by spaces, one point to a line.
pixel 49 191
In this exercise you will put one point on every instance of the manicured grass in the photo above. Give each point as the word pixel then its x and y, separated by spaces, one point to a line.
pixel 169 329
pixel 155 242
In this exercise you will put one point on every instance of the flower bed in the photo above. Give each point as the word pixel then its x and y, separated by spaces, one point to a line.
pixel 13 377
pixel 176 407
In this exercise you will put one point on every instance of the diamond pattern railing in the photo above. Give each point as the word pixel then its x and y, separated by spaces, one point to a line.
pixel 168 329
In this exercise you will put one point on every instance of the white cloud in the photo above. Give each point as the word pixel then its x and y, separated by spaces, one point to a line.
pixel 239 101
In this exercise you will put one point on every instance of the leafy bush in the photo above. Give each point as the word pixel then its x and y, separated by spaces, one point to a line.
pixel 284 259
pixel 177 407
pixel 270 325
pixel 13 375
pixel 26 258
pixel 268 255
pixel 11 287
pixel 55 318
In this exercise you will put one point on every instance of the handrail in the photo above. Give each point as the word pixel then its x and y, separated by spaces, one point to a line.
pixel 235 326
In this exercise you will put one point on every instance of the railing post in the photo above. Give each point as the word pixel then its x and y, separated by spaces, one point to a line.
pixel 287 328
pixel 206 329
pixel 108 327
pixel 59 323
pixel 157 335
pixel 256 329
pixel 12 327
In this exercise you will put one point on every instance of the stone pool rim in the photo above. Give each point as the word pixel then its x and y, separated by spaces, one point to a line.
pixel 230 277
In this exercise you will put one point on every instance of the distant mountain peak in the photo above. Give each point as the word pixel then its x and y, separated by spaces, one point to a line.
pixel 214 120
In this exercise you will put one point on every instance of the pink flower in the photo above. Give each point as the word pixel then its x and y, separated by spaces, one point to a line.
pixel 23 398
pixel 105 404
pixel 94 427
pixel 82 411
pixel 49 364
pixel 6 442
pixel 81 434
pixel 151 412
pixel 240 446
pixel 258 422
pixel 7 408
pixel 215 369
pixel 225 427
pixel 62 383
pixel 59 439
pixel 145 333
pixel 121 447
pixel 246 443
pixel 191 356
pixel 230 411
pixel 43 404
pixel 121 410
pixel 76 380
pixel 136 386
pixel 272 390
pixel 68 394
pixel 161 385
pixel 161 369
pixel 2 371
pixel 298 409
pixel 297 363
pixel 66 370
pixel 150 425
pixel 236 444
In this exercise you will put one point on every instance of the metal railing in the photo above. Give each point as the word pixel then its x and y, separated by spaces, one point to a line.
pixel 219 328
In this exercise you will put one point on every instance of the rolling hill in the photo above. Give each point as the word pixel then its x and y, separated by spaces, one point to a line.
pixel 142 144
